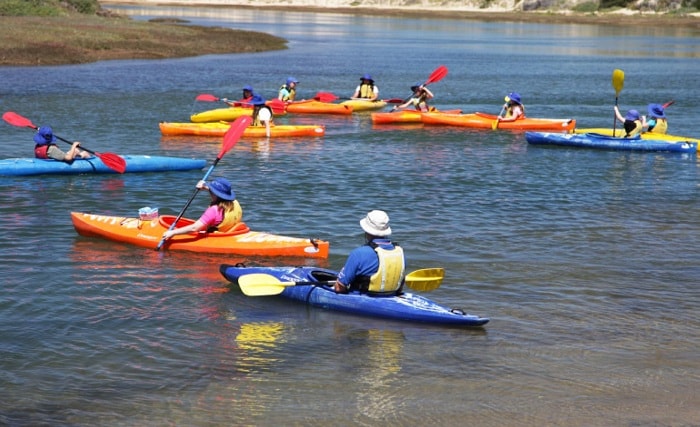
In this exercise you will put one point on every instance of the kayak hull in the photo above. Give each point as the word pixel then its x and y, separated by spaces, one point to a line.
pixel 486 121
pixel 404 116
pixel 219 129
pixel 593 140
pixel 407 307
pixel 240 241
pixel 645 136
pixel 134 163
pixel 359 105
pixel 311 106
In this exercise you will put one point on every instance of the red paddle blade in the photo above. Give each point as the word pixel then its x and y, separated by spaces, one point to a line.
pixel 277 105
pixel 205 97
pixel 234 133
pixel 668 104
pixel 437 75
pixel 113 161
pixel 394 101
pixel 325 97
pixel 16 120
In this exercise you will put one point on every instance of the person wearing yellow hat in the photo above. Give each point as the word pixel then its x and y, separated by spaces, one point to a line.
pixel 378 266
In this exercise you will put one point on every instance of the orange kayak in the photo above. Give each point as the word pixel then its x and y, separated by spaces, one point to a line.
pixel 220 128
pixel 311 106
pixel 240 241
pixel 486 121
pixel 404 116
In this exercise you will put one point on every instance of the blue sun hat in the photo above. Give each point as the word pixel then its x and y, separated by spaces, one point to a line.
pixel 366 76
pixel 513 96
pixel 291 80
pixel 44 135
pixel 632 115
pixel 656 111
pixel 249 88
pixel 221 188
pixel 257 100
pixel 415 86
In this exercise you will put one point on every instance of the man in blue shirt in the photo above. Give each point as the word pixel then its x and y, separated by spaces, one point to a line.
pixel 376 267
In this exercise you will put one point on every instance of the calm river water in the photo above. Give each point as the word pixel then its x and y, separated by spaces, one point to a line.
pixel 585 261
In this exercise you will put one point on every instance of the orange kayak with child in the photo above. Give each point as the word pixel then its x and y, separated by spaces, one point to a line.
pixel 241 240
pixel 489 121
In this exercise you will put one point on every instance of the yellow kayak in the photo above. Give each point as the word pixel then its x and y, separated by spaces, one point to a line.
pixel 364 104
pixel 647 135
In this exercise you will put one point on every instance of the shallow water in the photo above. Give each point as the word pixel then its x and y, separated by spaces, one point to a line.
pixel 583 260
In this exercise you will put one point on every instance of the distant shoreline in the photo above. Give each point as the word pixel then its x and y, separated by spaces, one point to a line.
pixel 619 17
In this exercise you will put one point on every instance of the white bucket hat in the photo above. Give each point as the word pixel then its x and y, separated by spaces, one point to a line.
pixel 376 223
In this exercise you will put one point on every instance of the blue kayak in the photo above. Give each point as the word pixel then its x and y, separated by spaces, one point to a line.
pixel 319 293
pixel 134 163
pixel 595 140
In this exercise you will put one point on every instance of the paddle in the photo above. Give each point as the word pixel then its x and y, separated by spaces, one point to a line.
pixel 230 139
pixel 438 74
pixel 111 160
pixel 668 104
pixel 277 106
pixel 260 284
pixel 494 125
pixel 330 97
pixel 618 81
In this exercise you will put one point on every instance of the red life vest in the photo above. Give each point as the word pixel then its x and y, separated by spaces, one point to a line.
pixel 41 151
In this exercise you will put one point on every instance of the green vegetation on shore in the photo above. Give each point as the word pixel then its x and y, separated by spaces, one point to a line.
pixel 53 32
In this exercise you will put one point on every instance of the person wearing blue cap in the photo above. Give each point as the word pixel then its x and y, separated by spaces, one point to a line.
pixel 262 113
pixel 419 99
pixel 656 120
pixel 633 122
pixel 45 148
pixel 366 89
pixel 288 91
pixel 223 214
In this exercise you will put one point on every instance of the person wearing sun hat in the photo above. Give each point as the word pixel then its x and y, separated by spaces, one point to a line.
pixel 513 109
pixel 633 122
pixel 366 89
pixel 378 266
pixel 45 148
pixel 223 213
pixel 656 122
pixel 262 113
pixel 288 91
pixel 419 98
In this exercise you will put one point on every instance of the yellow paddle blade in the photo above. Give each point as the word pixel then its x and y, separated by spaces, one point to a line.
pixel 427 279
pixel 618 80
pixel 254 285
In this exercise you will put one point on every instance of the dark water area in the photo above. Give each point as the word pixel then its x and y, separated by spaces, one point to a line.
pixel 584 260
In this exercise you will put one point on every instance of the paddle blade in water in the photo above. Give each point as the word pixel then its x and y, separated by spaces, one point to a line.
pixel 113 161
pixel 16 120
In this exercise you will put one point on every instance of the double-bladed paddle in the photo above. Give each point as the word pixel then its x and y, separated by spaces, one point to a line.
pixel 330 97
pixel 111 160
pixel 618 81
pixel 438 74
pixel 260 284
pixel 278 106
pixel 230 139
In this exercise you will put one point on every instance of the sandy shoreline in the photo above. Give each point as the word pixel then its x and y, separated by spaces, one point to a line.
pixel 493 14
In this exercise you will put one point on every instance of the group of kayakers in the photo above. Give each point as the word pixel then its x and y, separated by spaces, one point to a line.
pixel 636 124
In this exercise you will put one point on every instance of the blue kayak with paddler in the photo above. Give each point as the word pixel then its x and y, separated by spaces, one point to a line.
pixel 314 286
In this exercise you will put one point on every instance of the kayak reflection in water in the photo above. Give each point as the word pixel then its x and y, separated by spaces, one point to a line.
pixel 376 267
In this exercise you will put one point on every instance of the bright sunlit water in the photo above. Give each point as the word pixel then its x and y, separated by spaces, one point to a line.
pixel 585 261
